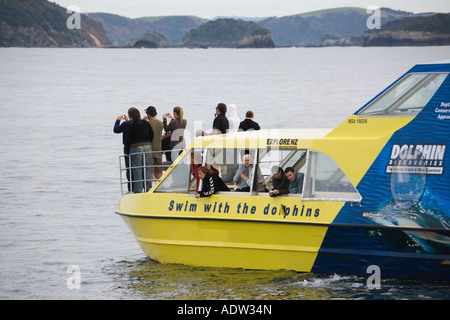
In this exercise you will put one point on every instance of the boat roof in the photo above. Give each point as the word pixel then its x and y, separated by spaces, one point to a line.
pixel 436 66
pixel 439 62
pixel 260 138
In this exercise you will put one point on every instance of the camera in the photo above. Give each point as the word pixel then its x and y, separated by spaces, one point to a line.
pixel 123 116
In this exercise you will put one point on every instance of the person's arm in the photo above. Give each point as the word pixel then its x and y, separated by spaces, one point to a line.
pixel 284 187
pixel 166 127
pixel 249 179
pixel 299 179
pixel 116 128
pixel 150 132
pixel 237 176
pixel 211 190
pixel 129 139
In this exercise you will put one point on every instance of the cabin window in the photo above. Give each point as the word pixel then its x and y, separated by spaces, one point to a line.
pixel 407 97
pixel 178 179
pixel 225 162
pixel 325 180
pixel 282 158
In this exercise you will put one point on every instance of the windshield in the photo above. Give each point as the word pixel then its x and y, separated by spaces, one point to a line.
pixel 407 97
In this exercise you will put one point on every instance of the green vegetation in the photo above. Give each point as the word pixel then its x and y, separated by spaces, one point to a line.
pixel 438 23
pixel 223 33
pixel 321 13
pixel 39 23
pixel 121 29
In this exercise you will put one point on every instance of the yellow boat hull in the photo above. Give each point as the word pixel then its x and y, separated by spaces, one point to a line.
pixel 236 244
pixel 266 233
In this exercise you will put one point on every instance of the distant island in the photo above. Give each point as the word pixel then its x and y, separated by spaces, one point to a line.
pixel 40 23
pixel 228 33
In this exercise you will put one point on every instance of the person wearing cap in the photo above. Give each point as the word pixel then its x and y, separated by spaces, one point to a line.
pixel 279 182
pixel 157 127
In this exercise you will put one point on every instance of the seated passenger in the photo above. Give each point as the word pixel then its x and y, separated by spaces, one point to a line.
pixel 279 182
pixel 242 177
pixel 295 180
pixel 211 183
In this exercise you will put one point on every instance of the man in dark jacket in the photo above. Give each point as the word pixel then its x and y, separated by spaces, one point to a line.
pixel 220 123
pixel 248 123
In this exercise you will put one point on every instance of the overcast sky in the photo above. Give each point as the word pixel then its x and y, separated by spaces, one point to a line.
pixel 244 8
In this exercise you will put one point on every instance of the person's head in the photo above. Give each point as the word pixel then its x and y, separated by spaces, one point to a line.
pixel 249 114
pixel 178 113
pixel 151 111
pixel 277 172
pixel 247 160
pixel 202 172
pixel 221 108
pixel 290 173
pixel 134 115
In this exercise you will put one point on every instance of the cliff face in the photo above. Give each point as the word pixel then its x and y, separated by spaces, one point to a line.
pixel 257 40
pixel 39 23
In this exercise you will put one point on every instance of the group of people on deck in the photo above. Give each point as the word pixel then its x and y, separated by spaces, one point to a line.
pixel 144 135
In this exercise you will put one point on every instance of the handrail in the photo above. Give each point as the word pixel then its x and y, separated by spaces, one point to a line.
pixel 129 176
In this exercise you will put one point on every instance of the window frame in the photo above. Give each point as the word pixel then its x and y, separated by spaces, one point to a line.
pixel 307 161
pixel 186 175
pixel 393 109
pixel 311 179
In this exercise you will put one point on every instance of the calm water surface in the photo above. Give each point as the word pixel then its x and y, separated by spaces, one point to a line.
pixel 59 167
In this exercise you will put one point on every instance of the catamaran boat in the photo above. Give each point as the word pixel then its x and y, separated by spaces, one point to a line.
pixel 375 193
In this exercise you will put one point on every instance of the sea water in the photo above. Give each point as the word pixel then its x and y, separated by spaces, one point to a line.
pixel 59 235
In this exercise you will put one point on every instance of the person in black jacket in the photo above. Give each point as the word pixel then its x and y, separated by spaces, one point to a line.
pixel 279 182
pixel 248 123
pixel 220 123
pixel 211 183
pixel 138 146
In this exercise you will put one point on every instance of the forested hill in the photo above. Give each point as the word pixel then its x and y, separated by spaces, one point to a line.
pixel 229 33
pixel 309 28
pixel 426 30
pixel 121 29
pixel 437 23
pixel 39 23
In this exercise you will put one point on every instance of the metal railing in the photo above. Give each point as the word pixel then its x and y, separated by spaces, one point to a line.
pixel 127 169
